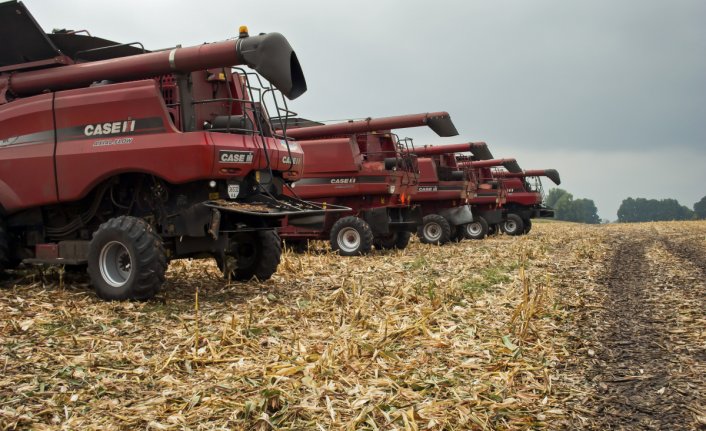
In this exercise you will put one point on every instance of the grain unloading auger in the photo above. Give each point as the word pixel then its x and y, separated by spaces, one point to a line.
pixel 444 191
pixel 133 158
pixel 439 122
pixel 552 174
pixel 362 165
pixel 479 150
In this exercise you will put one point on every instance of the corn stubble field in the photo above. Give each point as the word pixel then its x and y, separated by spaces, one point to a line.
pixel 571 326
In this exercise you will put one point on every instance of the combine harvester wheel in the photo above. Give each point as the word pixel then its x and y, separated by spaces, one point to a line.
pixel 258 256
pixel 351 236
pixel 477 229
pixel 393 241
pixel 435 229
pixel 513 225
pixel 528 225
pixel 126 260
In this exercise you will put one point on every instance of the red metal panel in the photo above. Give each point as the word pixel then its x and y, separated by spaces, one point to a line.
pixel 427 170
pixel 85 157
pixel 524 198
pixel 26 153
pixel 47 251
pixel 331 156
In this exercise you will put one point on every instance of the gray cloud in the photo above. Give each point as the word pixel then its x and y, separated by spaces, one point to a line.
pixel 579 86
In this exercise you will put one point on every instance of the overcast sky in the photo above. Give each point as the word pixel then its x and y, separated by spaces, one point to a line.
pixel 611 93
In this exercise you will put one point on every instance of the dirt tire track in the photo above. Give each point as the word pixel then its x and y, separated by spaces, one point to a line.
pixel 687 249
pixel 635 368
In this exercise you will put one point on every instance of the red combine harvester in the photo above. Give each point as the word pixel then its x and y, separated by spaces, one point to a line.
pixel 444 191
pixel 119 159
pixel 524 200
pixel 488 203
pixel 362 165
pixel 505 200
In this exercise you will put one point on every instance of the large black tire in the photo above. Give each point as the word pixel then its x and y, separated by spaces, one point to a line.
pixel 297 245
pixel 257 257
pixel 457 233
pixel 434 230
pixel 528 225
pixel 493 230
pixel 513 225
pixel 351 236
pixel 477 229
pixel 126 260
pixel 4 247
pixel 393 241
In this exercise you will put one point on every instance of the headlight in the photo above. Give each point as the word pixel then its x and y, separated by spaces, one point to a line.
pixel 391 189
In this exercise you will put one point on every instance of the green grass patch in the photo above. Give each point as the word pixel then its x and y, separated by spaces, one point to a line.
pixel 487 278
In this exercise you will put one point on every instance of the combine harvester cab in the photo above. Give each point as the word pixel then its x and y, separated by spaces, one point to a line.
pixel 361 165
pixel 443 192
pixel 119 159
pixel 524 200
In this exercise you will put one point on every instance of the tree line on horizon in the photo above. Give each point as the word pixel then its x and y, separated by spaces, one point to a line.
pixel 643 210
pixel 569 209
pixel 631 210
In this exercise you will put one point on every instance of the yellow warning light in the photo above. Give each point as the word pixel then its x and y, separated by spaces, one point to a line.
pixel 217 77
pixel 243 30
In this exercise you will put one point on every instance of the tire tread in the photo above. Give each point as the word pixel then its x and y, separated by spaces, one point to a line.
pixel 366 235
pixel 151 258
pixel 445 229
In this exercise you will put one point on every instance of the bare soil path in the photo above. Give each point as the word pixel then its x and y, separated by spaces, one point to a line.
pixel 645 352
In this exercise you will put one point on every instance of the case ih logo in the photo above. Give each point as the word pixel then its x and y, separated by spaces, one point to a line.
pixel 114 128
pixel 343 181
pixel 428 188
pixel 235 156
pixel 291 160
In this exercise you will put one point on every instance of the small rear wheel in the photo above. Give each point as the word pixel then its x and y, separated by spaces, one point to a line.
pixel 255 255
pixel 457 233
pixel 351 236
pixel 477 229
pixel 393 241
pixel 513 225
pixel 434 230
pixel 493 229
pixel 528 225
pixel 126 260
